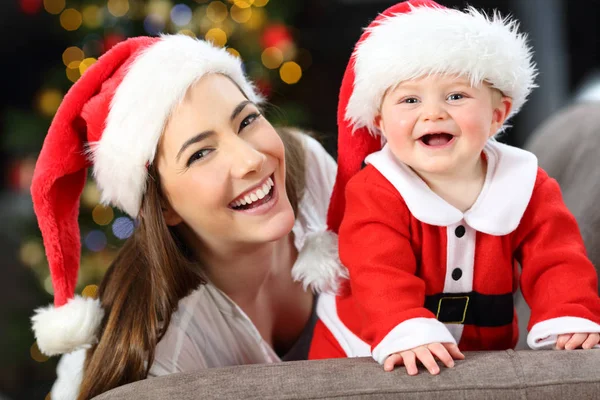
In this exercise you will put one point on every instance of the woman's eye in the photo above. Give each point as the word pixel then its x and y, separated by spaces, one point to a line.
pixel 455 96
pixel 248 120
pixel 198 155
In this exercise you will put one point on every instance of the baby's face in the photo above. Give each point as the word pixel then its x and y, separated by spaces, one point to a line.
pixel 439 124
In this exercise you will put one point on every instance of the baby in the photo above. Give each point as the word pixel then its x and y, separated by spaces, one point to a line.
pixel 433 227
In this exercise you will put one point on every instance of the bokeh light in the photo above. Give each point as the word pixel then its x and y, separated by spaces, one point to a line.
pixel 71 19
pixel 85 64
pixel 217 36
pixel 272 57
pixel 216 11
pixel 95 240
pixel 154 24
pixel 90 291
pixel 181 15
pixel 257 20
pixel 37 354
pixel 102 215
pixel 260 3
pixel 118 8
pixel 240 15
pixel 54 6
pixel 290 72
pixel 92 16
pixel 187 32
pixel 73 71
pixel 30 6
pixel 71 54
pixel 91 195
pixel 161 8
pixel 243 3
pixel 48 101
pixel 234 52
pixel 31 253
pixel 123 227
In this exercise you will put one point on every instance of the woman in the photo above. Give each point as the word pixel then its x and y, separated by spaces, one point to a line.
pixel 217 269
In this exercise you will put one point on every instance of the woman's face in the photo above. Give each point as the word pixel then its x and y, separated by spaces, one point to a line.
pixel 222 169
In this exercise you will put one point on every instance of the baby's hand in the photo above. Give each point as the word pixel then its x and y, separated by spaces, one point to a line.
pixel 571 341
pixel 445 352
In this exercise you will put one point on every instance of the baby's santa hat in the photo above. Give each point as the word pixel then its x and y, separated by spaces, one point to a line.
pixel 409 40
pixel 413 39
pixel 111 120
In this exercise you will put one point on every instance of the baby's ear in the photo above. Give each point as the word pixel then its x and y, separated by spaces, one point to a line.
pixel 378 121
pixel 502 107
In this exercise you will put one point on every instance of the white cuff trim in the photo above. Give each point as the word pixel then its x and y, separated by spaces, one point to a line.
pixel 543 335
pixel 410 334
pixel 69 374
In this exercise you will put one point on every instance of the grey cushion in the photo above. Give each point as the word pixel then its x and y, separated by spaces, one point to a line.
pixel 502 375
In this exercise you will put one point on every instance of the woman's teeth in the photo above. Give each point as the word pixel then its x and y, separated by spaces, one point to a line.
pixel 256 195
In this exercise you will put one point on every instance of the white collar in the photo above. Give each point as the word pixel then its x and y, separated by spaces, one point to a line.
pixel 509 182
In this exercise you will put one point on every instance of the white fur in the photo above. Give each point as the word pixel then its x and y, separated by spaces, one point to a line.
pixel 69 327
pixel 318 264
pixel 155 83
pixel 430 40
pixel 69 374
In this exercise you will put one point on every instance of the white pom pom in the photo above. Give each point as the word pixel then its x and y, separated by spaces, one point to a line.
pixel 318 264
pixel 67 328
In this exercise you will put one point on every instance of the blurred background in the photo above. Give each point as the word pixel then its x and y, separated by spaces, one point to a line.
pixel 295 50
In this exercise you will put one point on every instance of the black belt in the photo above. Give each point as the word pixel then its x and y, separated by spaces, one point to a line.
pixel 485 310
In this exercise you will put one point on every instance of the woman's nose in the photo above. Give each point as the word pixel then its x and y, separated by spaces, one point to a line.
pixel 246 159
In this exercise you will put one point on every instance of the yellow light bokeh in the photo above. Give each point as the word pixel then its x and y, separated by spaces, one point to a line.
pixel 234 52
pixel 92 16
pixel 71 54
pixel 54 6
pixel 260 3
pixel 243 3
pixel 162 8
pixel 216 11
pixel 271 57
pixel 85 64
pixel 240 15
pixel 290 72
pixel 91 194
pixel 187 32
pixel 118 8
pixel 257 20
pixel 48 101
pixel 90 291
pixel 31 253
pixel 102 215
pixel 73 71
pixel 71 19
pixel 217 36
pixel 36 353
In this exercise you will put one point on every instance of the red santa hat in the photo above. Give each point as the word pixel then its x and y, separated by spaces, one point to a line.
pixel 110 120
pixel 412 39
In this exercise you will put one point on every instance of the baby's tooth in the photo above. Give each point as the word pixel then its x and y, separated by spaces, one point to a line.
pixel 271 181
pixel 253 197
pixel 247 199
pixel 266 187
pixel 243 202
pixel 260 193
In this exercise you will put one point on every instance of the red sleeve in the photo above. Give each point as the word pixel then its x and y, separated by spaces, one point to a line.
pixel 374 244
pixel 558 280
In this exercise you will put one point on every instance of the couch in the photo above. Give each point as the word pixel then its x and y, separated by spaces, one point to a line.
pixel 568 147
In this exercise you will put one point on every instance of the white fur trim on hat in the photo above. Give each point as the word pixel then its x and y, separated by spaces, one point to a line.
pixel 156 82
pixel 432 40
pixel 318 264
pixel 72 326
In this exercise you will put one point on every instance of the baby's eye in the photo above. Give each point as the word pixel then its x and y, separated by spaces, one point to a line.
pixel 200 154
pixel 455 96
pixel 410 100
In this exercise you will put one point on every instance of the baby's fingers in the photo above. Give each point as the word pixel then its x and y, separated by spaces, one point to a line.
pixel 591 341
pixel 391 361
pixel 410 362
pixel 454 351
pixel 562 340
pixel 438 350
pixel 576 341
pixel 424 355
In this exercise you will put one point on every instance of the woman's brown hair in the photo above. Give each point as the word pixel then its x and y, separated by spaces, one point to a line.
pixel 142 287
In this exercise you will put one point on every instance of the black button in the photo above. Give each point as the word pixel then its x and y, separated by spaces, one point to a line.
pixel 456 274
pixel 460 231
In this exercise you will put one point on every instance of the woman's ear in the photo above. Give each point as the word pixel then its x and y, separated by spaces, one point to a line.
pixel 170 215
pixel 502 108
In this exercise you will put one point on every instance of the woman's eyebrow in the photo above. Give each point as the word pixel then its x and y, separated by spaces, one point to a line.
pixel 194 139
pixel 238 109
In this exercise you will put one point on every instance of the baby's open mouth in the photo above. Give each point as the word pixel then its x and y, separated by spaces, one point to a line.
pixel 256 198
pixel 436 139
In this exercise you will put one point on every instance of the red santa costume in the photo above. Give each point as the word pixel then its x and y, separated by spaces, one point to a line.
pixel 422 271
